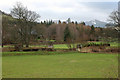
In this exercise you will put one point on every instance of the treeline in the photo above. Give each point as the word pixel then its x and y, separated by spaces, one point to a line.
pixel 21 27
pixel 64 31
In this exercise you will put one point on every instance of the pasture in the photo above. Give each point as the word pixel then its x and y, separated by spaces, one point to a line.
pixel 67 65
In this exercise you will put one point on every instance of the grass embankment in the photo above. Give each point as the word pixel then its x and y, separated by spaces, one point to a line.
pixel 36 53
pixel 68 65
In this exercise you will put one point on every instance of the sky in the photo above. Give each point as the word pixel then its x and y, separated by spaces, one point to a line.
pixel 77 10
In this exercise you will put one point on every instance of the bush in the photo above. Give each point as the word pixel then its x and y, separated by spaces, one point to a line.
pixel 18 47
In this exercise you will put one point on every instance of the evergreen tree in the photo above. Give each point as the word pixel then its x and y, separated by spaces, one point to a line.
pixel 76 22
pixel 59 22
pixel 83 23
pixel 44 22
pixel 69 20
pixel 67 34
pixel 92 29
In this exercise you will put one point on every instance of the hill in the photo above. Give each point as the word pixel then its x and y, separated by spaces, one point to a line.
pixel 96 23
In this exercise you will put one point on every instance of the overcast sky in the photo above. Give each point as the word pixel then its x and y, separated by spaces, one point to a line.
pixel 77 10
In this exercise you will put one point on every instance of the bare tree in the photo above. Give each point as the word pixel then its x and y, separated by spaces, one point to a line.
pixel 115 18
pixel 26 20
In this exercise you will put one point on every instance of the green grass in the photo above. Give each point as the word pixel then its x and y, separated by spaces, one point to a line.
pixel 64 46
pixel 37 46
pixel 34 53
pixel 69 65
pixel 56 46
pixel 112 44
pixel 60 46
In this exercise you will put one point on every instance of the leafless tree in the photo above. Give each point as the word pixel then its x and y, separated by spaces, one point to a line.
pixel 26 20
pixel 115 18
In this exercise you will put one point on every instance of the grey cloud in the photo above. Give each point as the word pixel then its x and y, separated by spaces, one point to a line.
pixel 79 11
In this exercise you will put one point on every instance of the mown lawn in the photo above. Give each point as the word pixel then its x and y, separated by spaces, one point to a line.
pixel 69 65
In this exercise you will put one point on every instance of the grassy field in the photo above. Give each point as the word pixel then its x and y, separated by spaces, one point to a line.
pixel 64 46
pixel 69 65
